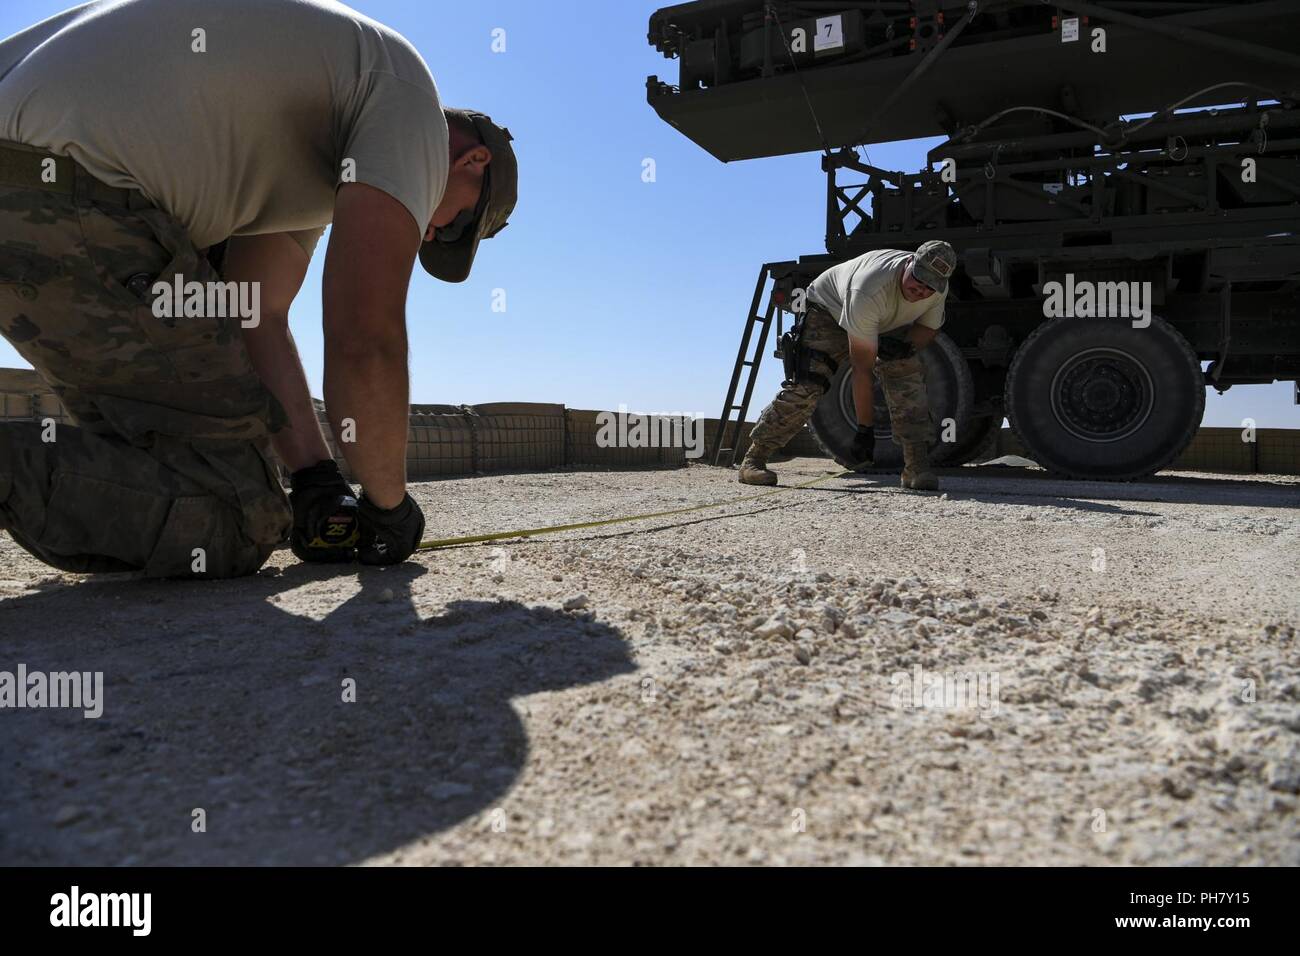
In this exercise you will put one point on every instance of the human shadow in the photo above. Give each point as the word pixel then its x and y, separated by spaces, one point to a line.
pixel 221 698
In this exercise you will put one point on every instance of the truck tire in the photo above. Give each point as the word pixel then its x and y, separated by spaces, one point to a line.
pixel 948 386
pixel 1099 399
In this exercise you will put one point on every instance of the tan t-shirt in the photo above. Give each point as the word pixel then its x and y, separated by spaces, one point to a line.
pixel 244 128
pixel 866 298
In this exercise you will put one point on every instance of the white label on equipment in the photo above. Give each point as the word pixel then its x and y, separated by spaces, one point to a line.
pixel 830 34
pixel 1070 30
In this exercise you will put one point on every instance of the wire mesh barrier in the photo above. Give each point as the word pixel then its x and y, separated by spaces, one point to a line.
pixel 441 442
pixel 448 440
pixel 25 397
pixel 511 436
pixel 1220 449
pixel 592 438
pixel 30 407
pixel 1277 451
pixel 1274 451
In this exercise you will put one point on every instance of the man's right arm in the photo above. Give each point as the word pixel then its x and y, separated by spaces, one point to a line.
pixel 860 320
pixel 278 264
pixel 862 357
pixel 372 250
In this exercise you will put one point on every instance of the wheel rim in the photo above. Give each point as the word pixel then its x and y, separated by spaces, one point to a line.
pixel 884 431
pixel 1102 395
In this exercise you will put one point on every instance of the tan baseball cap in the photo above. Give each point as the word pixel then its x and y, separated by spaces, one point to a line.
pixel 449 255
pixel 933 264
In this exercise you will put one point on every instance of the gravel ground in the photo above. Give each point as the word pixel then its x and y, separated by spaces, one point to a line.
pixel 1023 670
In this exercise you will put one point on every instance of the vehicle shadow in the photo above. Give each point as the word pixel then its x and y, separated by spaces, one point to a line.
pixel 954 492
pixel 219 698
pixel 1227 490
pixel 1022 486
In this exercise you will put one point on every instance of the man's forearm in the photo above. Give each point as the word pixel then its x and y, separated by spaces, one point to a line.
pixel 367 396
pixel 920 336
pixel 275 359
pixel 864 395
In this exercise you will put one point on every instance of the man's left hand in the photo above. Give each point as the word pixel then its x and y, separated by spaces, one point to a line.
pixel 863 450
pixel 325 520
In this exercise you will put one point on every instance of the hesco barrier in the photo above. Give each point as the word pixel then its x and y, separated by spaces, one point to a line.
pixel 583 427
pixel 1275 451
pixel 518 436
pixel 454 439
pixel 24 396
pixel 441 442
pixel 511 436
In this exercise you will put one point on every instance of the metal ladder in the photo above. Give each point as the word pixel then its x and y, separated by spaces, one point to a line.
pixel 724 451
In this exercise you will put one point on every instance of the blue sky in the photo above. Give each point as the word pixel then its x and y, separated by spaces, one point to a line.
pixel 617 291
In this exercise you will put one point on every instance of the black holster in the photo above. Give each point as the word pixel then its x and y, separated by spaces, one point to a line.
pixel 798 360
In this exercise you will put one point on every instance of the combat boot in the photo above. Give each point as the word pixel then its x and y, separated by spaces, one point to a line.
pixel 754 471
pixel 917 474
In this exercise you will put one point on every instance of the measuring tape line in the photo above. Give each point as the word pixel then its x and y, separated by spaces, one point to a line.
pixel 436 543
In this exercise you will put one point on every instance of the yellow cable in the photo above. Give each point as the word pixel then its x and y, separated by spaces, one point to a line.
pixel 435 543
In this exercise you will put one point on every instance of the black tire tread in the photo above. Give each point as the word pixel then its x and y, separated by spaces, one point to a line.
pixel 1175 338
pixel 945 344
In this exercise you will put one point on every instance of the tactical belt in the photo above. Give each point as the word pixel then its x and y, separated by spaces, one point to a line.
pixel 890 346
pixel 26 167
pixel 798 358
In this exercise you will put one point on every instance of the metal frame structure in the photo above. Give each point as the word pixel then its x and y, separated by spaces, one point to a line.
pixel 906 69
pixel 746 358
pixel 1055 184
pixel 1083 178
pixel 1166 205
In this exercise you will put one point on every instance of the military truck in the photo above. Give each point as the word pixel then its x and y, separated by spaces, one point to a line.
pixel 1120 178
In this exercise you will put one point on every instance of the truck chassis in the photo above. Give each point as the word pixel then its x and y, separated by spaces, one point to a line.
pixel 1197 212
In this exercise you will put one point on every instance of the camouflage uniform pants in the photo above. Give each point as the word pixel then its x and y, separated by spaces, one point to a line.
pixel 165 468
pixel 902 379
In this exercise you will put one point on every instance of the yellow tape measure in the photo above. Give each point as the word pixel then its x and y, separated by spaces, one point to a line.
pixel 436 543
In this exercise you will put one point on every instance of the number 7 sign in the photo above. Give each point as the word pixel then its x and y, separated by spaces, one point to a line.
pixel 830 34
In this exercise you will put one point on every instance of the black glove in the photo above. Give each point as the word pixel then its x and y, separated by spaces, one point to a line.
pixel 325 523
pixel 389 536
pixel 863 450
